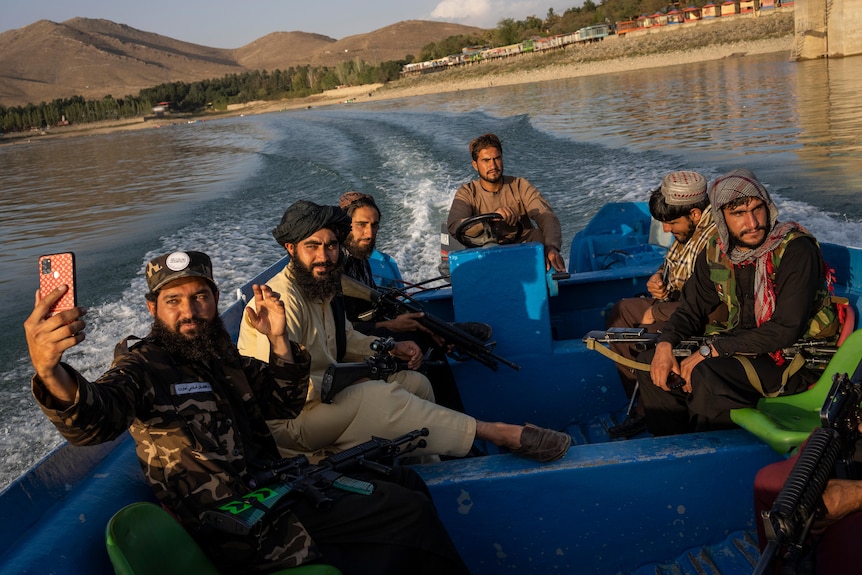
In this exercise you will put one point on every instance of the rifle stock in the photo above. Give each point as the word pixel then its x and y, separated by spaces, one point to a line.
pixel 284 481
pixel 390 306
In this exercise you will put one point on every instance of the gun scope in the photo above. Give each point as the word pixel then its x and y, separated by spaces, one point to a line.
pixel 383 344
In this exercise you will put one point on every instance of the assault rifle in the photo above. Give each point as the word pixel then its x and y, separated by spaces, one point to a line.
pixel 379 366
pixel 827 453
pixel 281 483
pixel 817 353
pixel 389 304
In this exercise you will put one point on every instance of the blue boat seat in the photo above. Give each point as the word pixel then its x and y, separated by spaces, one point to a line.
pixel 621 234
pixel 144 539
pixel 785 422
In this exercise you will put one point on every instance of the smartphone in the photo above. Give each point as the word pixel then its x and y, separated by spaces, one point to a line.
pixel 56 270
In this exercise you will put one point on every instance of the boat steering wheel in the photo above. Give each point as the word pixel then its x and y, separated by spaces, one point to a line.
pixel 492 232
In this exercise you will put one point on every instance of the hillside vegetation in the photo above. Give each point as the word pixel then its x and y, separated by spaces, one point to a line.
pixel 86 50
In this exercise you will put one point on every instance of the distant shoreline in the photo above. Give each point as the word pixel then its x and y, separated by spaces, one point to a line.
pixel 614 66
pixel 700 42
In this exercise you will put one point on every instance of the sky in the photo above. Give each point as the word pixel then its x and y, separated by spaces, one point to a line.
pixel 231 24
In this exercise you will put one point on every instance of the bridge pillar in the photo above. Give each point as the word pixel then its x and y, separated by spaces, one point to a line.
pixel 827 28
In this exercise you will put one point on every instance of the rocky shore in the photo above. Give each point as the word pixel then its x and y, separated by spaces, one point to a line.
pixel 737 36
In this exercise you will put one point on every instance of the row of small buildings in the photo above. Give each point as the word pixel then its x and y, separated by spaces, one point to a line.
pixel 479 53
pixel 594 33
pixel 691 14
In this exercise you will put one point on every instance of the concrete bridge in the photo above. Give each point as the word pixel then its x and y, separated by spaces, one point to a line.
pixel 827 29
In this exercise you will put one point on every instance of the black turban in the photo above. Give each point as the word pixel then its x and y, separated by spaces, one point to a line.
pixel 304 218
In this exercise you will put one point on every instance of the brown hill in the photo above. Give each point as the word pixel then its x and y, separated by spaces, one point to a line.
pixel 94 58
pixel 392 42
pixel 281 50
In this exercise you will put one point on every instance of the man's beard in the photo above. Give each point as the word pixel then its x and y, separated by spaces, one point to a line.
pixel 688 233
pixel 317 288
pixel 207 344
pixel 493 179
pixel 737 241
pixel 357 250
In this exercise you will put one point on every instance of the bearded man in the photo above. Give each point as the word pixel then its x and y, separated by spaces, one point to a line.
pixel 772 278
pixel 197 412
pixel 309 287
pixel 360 244
pixel 515 199
pixel 681 204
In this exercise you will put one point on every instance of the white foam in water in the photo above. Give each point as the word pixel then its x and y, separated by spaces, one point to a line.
pixel 235 261
pixel 826 227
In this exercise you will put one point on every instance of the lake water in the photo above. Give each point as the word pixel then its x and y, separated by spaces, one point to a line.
pixel 220 186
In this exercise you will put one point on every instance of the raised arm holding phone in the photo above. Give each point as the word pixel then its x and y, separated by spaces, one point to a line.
pixel 199 412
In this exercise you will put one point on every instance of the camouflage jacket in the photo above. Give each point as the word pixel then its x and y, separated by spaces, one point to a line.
pixel 197 426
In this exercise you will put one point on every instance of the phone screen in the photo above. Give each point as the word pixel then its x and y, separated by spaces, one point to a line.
pixel 56 270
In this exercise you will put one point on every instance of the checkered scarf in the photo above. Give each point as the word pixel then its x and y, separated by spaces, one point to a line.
pixel 679 261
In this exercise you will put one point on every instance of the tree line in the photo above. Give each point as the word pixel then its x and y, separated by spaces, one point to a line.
pixel 301 81
pixel 215 94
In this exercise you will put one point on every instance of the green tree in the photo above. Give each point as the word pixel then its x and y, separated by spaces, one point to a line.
pixel 532 26
pixel 507 32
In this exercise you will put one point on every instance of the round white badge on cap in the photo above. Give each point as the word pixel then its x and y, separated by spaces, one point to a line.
pixel 178 261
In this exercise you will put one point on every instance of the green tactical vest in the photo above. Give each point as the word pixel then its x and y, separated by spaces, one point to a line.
pixel 824 324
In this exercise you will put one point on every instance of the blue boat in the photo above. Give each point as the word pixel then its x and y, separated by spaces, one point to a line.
pixel 680 504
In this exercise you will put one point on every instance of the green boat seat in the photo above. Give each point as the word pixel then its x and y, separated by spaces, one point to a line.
pixel 786 421
pixel 144 539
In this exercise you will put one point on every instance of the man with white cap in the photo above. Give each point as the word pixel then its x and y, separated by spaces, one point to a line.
pixel 682 206
pixel 772 278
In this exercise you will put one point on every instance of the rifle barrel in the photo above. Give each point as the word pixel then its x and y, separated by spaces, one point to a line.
pixel 470 345
pixel 800 496
pixel 393 306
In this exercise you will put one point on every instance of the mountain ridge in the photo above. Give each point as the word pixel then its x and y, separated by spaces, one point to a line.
pixel 94 58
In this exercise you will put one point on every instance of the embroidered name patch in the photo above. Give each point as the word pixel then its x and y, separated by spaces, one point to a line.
pixel 192 387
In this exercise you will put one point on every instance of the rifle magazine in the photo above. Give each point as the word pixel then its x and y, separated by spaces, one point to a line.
pixel 354 485
pixel 241 515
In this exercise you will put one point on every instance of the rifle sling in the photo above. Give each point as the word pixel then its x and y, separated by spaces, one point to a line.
pixel 592 344
pixel 795 364
pixel 339 314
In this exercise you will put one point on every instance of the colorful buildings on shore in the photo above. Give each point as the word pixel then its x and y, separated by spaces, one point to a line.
pixel 719 9
pixel 644 24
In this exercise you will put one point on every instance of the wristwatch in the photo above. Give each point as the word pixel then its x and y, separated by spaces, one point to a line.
pixel 706 350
